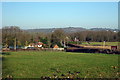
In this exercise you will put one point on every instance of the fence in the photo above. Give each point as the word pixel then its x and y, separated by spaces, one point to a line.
pixel 43 49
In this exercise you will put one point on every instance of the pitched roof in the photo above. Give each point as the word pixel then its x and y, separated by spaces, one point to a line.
pixel 31 44
pixel 56 46
pixel 40 43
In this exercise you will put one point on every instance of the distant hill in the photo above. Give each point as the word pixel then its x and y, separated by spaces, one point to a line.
pixel 104 29
pixel 71 29
pixel 49 30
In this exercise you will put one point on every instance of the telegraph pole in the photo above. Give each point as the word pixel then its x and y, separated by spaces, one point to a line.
pixel 6 44
pixel 15 44
pixel 64 43
pixel 103 44
pixel 67 41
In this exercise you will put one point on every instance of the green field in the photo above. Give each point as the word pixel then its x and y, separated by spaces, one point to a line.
pixel 34 64
pixel 101 43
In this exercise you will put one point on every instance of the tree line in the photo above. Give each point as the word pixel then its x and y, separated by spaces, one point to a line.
pixel 59 37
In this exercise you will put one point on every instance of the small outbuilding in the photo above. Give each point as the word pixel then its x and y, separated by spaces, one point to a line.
pixel 40 44
pixel 56 46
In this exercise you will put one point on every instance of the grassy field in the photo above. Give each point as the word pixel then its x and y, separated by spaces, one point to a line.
pixel 63 64
pixel 101 43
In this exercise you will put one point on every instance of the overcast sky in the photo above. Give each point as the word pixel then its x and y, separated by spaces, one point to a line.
pixel 29 15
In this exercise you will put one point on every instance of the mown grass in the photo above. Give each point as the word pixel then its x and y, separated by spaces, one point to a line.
pixel 101 43
pixel 34 64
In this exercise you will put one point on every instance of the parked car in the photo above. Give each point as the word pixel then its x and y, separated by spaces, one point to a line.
pixel 11 47
pixel 33 48
pixel 18 47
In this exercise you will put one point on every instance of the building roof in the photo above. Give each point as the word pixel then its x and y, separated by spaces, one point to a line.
pixel 31 44
pixel 40 43
pixel 56 46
